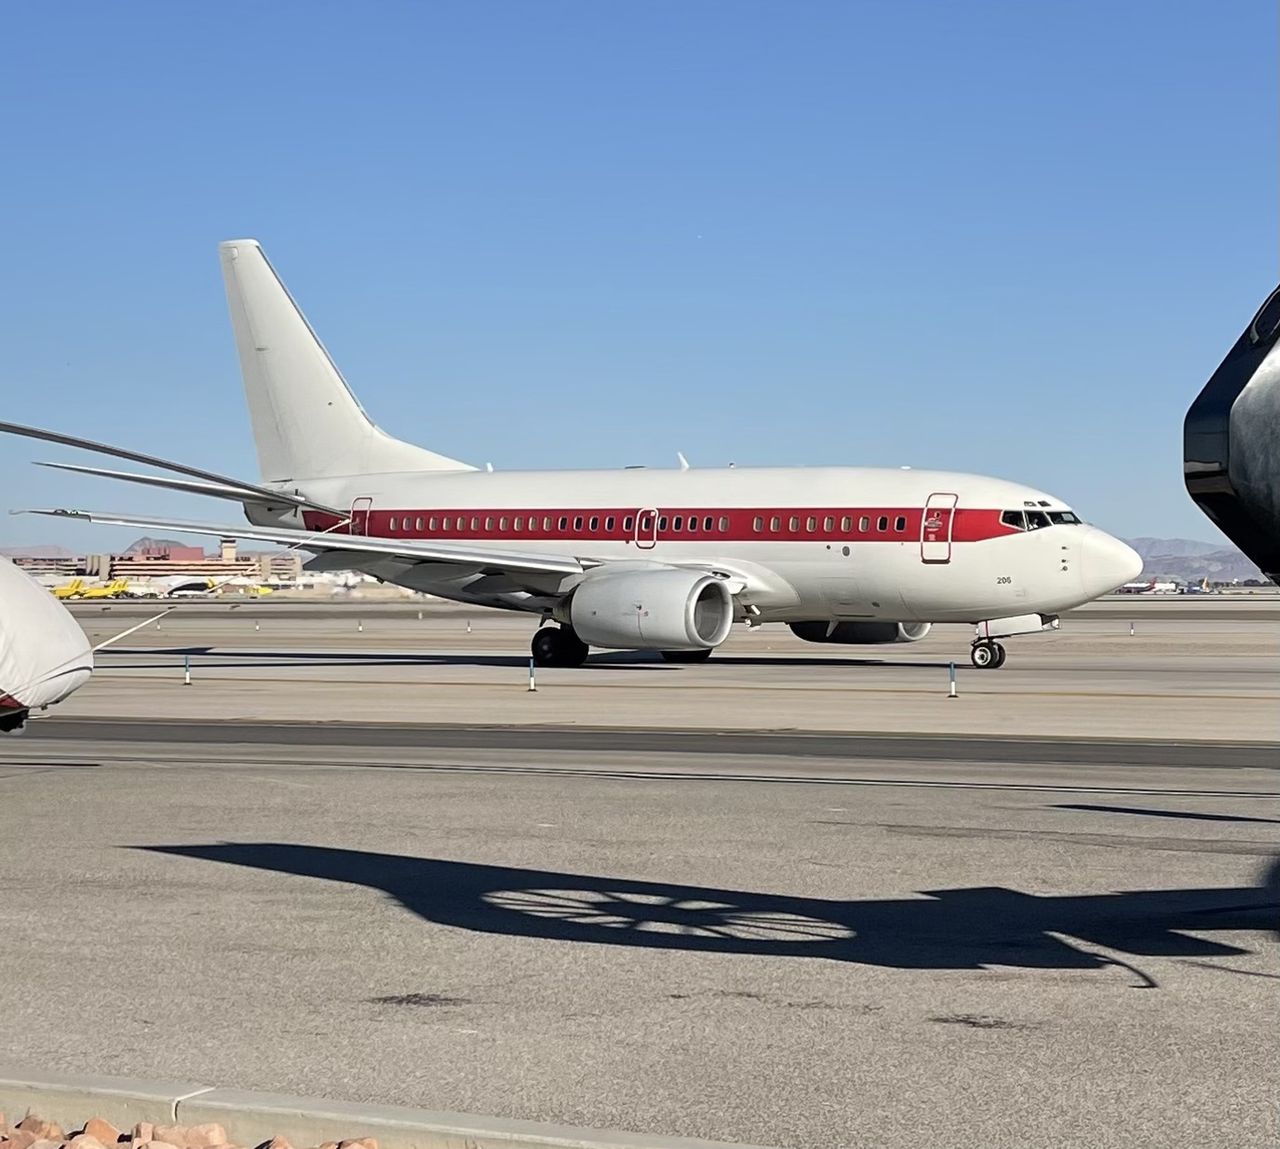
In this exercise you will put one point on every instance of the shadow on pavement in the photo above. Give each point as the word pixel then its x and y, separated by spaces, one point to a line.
pixel 941 929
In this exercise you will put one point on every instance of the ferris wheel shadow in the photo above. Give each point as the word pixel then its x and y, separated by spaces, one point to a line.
pixel 938 929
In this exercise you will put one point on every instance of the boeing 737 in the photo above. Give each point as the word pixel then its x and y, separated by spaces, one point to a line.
pixel 633 559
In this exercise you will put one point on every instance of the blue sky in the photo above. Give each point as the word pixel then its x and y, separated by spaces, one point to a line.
pixel 1002 237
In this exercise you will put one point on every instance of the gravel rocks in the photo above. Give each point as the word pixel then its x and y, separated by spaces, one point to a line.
pixel 33 1132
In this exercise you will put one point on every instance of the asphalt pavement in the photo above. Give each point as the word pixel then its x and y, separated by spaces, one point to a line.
pixel 941 951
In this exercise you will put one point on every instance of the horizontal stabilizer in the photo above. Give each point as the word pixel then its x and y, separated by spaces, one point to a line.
pixel 472 557
pixel 265 493
pixel 240 494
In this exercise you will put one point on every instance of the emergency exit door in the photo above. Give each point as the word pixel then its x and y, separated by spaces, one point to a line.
pixel 936 528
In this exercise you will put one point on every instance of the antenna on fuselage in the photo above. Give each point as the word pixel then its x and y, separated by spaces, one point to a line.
pixel 684 463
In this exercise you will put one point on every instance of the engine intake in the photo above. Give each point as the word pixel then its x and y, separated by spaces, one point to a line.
pixel 650 610
pixel 860 633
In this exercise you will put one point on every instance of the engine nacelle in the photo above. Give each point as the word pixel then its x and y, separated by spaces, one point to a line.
pixel 650 610
pixel 860 633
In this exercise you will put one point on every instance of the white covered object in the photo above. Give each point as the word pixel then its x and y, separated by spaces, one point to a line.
pixel 44 654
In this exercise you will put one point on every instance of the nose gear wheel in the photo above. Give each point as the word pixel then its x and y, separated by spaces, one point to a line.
pixel 987 655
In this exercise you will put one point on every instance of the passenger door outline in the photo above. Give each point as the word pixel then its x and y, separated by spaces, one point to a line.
pixel 646 536
pixel 936 527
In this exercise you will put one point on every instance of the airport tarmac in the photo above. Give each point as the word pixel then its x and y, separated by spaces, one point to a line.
pixel 1179 675
pixel 782 949
pixel 792 897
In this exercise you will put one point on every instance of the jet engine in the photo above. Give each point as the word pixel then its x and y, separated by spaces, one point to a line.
pixel 860 633
pixel 662 609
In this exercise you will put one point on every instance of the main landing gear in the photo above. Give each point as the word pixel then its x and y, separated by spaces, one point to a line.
pixel 558 646
pixel 987 655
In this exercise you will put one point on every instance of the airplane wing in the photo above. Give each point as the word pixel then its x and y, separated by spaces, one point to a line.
pixel 481 559
pixel 237 492
pixel 251 490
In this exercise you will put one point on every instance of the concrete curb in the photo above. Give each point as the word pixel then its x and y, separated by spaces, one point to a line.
pixel 251 1118
pixel 71 1101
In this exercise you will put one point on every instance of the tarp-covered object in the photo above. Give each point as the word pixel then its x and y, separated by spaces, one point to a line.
pixel 44 654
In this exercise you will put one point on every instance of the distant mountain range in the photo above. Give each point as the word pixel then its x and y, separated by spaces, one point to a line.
pixel 38 552
pixel 150 544
pixel 1187 560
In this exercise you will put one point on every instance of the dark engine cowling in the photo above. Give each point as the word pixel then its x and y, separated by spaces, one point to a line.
pixel 860 633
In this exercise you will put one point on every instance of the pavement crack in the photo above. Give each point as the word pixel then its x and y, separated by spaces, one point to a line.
pixel 426 1000
pixel 978 1021
pixel 1108 841
pixel 1230 969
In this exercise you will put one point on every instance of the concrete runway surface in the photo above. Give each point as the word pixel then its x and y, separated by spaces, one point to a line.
pixel 790 950
pixel 794 897
pixel 1179 675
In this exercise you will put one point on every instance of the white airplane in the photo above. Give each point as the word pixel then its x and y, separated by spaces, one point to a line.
pixel 1151 586
pixel 632 559
pixel 172 586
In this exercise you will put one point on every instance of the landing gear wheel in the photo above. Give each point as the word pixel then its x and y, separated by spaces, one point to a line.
pixel 686 655
pixel 986 655
pixel 573 651
pixel 558 646
pixel 1001 655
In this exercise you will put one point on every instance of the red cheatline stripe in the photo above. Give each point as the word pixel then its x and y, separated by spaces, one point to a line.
pixel 722 524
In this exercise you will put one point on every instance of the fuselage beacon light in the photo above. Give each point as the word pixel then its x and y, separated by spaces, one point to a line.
pixel 632 559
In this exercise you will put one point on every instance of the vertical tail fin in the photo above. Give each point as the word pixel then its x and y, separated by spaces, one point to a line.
pixel 306 422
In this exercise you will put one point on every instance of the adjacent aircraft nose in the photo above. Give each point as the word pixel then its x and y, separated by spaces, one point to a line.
pixel 1107 563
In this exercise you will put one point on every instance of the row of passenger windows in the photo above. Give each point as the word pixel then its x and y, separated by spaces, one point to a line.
pixel 689 524
pixel 1034 520
pixel 548 523
pixel 828 523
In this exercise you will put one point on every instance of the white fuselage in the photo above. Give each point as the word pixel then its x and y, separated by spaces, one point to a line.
pixel 805 543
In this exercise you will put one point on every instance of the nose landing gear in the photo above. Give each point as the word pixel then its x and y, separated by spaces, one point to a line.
pixel 558 646
pixel 987 655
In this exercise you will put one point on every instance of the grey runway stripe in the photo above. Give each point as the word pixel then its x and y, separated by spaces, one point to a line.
pixel 155 758
pixel 800 779
pixel 887 747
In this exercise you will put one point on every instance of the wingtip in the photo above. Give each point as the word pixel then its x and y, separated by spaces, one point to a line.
pixel 61 512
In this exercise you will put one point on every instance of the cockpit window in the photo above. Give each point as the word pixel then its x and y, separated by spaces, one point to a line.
pixel 1036 520
pixel 1060 517
pixel 1014 519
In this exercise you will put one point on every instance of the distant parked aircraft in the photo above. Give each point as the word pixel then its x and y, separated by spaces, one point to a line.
pixel 70 589
pixel 172 586
pixel 108 590
pixel 1151 586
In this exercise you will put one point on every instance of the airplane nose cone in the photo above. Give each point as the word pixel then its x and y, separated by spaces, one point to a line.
pixel 1107 563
